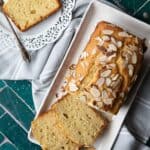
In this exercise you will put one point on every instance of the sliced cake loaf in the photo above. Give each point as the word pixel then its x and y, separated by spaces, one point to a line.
pixel 26 13
pixel 81 123
pixel 46 131
pixel 107 68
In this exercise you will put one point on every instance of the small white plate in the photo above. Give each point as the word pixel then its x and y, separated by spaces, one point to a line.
pixel 95 13
pixel 49 30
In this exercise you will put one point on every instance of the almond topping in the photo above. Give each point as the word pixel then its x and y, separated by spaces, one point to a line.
pixel 106 73
pixel 116 83
pixel 72 86
pixel 84 55
pixel 112 65
pixel 104 94
pixel 69 73
pixel 134 58
pixel 119 44
pixel 100 82
pixel 108 101
pixel 107 32
pixel 100 41
pixel 111 48
pixel 105 38
pixel 108 81
pixel 131 70
pixel 115 77
pixel 113 40
pixel 95 92
pixel 111 56
pixel 123 34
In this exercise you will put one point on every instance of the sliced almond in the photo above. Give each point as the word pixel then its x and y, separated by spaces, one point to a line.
pixel 123 34
pixel 105 38
pixel 107 32
pixel 132 47
pixel 130 70
pixel 115 77
pixel 112 65
pixel 116 83
pixel 111 48
pixel 113 40
pixel 100 41
pixel 72 86
pixel 84 55
pixel 104 94
pixel 100 82
pixel 108 101
pixel 94 91
pixel 112 56
pixel 108 81
pixel 134 58
pixel 119 44
pixel 106 73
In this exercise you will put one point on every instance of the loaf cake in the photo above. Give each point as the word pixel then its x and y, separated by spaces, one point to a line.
pixel 46 131
pixel 26 13
pixel 107 68
pixel 81 123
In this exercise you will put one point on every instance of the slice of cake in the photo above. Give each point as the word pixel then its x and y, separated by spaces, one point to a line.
pixel 26 13
pixel 81 123
pixel 46 131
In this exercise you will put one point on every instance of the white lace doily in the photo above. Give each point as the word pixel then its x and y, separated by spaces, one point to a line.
pixel 49 34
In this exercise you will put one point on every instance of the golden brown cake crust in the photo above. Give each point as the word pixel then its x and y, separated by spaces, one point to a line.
pixel 107 68
pixel 4 8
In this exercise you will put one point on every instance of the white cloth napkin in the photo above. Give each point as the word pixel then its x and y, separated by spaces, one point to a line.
pixel 43 67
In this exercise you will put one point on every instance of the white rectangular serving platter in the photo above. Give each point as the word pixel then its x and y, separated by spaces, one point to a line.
pixel 96 12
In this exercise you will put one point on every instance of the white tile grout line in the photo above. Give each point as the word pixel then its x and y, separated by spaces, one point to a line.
pixel 6 139
pixel 20 98
pixel 3 115
pixel 14 119
pixel 1 89
pixel 140 7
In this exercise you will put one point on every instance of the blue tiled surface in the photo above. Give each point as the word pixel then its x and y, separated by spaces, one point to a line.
pixel 16 104
pixel 16 113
